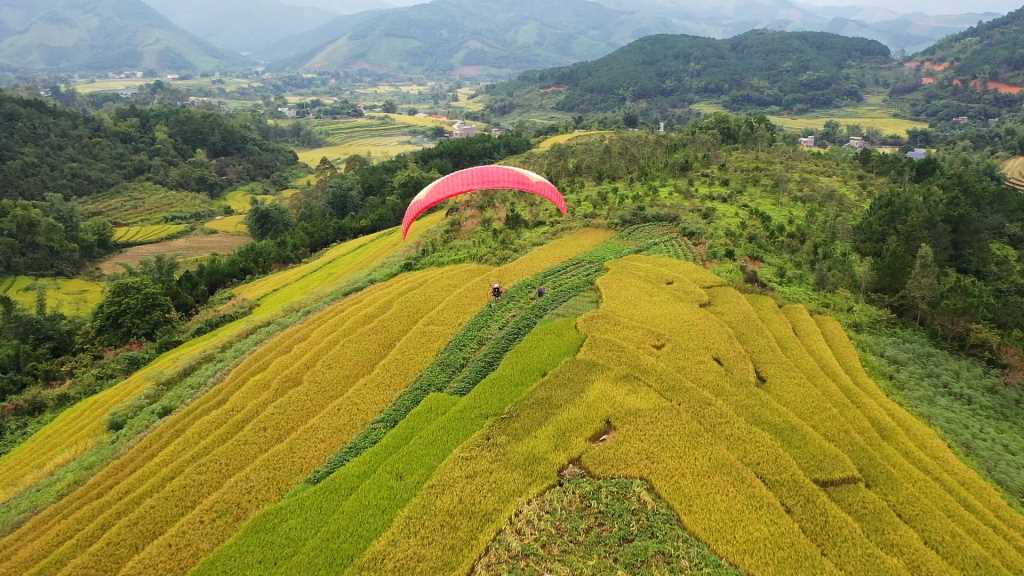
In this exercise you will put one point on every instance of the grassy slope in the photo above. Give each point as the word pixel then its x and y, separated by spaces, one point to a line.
pixel 292 418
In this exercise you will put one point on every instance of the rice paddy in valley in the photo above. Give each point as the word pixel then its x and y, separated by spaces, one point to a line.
pixel 376 137
pixel 69 296
pixel 874 112
pixel 185 248
pixel 319 384
pixel 82 426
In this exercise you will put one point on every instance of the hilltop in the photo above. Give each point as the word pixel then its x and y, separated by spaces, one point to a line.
pixel 759 69
pixel 99 35
pixel 990 51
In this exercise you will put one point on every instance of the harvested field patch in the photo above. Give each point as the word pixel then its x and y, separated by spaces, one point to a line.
pixel 192 246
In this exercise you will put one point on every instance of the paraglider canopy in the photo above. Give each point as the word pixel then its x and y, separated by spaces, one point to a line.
pixel 478 179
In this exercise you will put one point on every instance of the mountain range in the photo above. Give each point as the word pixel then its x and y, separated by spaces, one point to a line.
pixel 484 38
pixel 94 35
pixel 487 37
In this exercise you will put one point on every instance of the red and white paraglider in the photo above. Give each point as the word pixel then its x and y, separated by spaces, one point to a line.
pixel 476 180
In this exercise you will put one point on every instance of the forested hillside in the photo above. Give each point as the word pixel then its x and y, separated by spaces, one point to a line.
pixel 760 69
pixel 978 73
pixel 51 155
pixel 462 37
pixel 70 35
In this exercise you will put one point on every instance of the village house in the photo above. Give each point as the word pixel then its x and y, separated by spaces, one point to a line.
pixel 961 120
pixel 807 142
pixel 857 143
pixel 917 154
pixel 462 130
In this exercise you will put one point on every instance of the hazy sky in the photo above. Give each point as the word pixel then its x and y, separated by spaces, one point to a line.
pixel 929 6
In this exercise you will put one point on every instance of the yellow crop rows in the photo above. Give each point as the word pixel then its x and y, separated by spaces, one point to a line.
pixel 80 427
pixel 186 487
pixel 757 424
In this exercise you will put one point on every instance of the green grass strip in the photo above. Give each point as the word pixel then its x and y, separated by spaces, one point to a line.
pixel 321 529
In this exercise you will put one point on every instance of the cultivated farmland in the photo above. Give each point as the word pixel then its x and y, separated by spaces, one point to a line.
pixel 872 113
pixel 80 428
pixel 135 204
pixel 147 234
pixel 273 420
pixel 193 246
pixel 378 138
pixel 732 408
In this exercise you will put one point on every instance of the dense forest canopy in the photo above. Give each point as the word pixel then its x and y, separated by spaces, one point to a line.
pixel 51 150
pixel 760 69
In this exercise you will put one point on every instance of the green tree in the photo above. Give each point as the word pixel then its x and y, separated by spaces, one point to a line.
pixel 831 131
pixel 268 220
pixel 389 107
pixel 135 308
pixel 923 286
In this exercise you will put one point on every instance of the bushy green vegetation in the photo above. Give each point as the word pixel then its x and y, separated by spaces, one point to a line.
pixel 598 527
pixel 180 148
pixel 760 69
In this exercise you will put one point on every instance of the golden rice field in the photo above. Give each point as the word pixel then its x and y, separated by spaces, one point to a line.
pixel 69 296
pixel 82 426
pixel 756 424
pixel 185 488
pixel 229 225
pixel 147 234
pixel 872 113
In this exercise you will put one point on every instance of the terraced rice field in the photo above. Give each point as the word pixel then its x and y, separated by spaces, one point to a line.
pixel 1014 170
pixel 757 425
pixel 371 137
pixel 82 427
pixel 147 234
pixel 144 204
pixel 189 485
pixel 69 296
